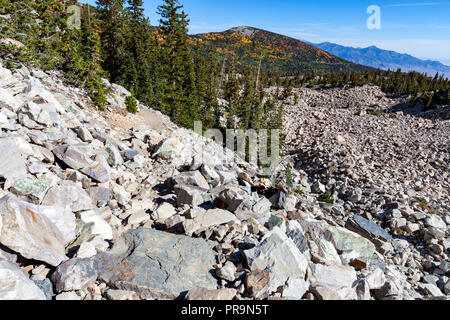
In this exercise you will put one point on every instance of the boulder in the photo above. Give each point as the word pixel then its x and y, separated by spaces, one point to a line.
pixel 333 282
pixel 168 149
pixel 26 229
pixel 345 240
pixel 34 189
pixel 72 156
pixel 206 219
pixel 68 194
pixel 165 211
pixel 189 195
pixel 191 178
pixel 368 229
pixel 8 101
pixel 295 289
pixel 278 254
pixel 14 285
pixel 227 272
pixel 98 171
pixel 160 265
pixel 74 274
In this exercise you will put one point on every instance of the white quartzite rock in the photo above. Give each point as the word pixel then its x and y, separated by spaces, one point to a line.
pixel 26 229
pixel 14 285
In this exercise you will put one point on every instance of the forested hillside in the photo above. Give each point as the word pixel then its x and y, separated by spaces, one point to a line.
pixel 183 76
pixel 251 46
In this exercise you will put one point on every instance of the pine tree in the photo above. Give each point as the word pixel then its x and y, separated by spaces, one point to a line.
pixel 179 93
pixel 112 24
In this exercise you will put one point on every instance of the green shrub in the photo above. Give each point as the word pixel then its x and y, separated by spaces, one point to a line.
pixel 326 197
pixel 374 112
pixel 289 180
pixel 131 104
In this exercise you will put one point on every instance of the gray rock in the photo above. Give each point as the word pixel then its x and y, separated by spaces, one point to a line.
pixel 277 254
pixel 376 279
pixel 8 101
pixel 165 211
pixel 68 194
pixel 168 148
pixel 72 157
pixel 206 219
pixel 191 178
pixel 100 195
pixel 84 134
pixel 435 221
pixel 367 229
pixel 318 188
pixel 74 274
pixel 114 157
pixel 46 287
pixel 227 272
pixel 130 154
pixel 356 195
pixel 275 221
pixel 163 265
pixel 97 171
pixel 233 197
pixel 363 290
pixel 210 175
pixel 192 196
pixel 447 288
pixel 445 266
pixel 431 289
pixel 345 240
pixel 299 239
pixel 14 285
pixel 100 227
pixel 262 207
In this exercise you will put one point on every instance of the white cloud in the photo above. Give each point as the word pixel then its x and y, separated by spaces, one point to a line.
pixel 423 4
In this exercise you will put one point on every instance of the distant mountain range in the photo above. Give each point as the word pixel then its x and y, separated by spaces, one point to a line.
pixel 384 59
pixel 279 52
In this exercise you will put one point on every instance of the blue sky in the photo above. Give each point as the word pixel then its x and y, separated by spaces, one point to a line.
pixel 420 28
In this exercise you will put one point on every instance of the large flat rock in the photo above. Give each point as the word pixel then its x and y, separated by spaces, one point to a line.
pixel 164 265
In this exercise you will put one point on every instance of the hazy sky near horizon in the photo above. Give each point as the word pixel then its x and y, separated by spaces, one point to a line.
pixel 418 27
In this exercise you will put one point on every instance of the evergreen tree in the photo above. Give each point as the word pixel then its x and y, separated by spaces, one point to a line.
pixel 112 24
pixel 179 92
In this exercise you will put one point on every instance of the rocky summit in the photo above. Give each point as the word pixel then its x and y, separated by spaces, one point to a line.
pixel 105 205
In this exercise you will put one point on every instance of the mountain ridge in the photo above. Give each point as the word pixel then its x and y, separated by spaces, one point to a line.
pixel 279 51
pixel 384 59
